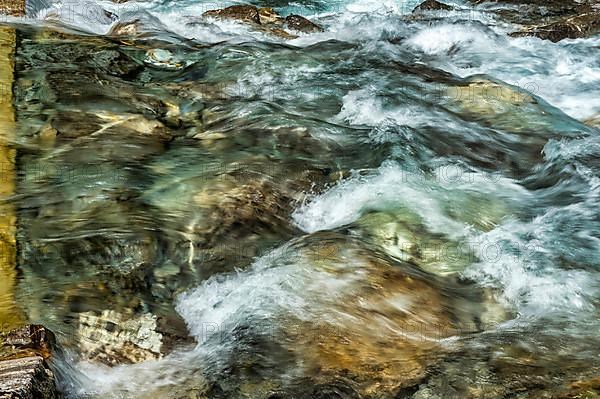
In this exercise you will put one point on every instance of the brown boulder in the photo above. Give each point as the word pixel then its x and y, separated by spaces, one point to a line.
pixel 30 338
pixel 301 24
pixel 281 33
pixel 580 26
pixel 362 317
pixel 431 5
pixel 244 13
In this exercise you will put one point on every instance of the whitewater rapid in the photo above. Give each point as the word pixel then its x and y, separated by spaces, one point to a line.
pixel 529 231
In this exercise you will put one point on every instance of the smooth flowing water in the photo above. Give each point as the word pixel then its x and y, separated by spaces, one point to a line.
pixel 395 207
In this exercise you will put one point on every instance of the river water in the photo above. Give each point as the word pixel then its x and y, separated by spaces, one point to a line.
pixel 394 207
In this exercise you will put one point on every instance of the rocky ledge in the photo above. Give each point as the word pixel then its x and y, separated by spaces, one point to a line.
pixel 24 371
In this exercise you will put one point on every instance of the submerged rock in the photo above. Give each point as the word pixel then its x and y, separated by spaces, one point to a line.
pixel 515 364
pixel 336 314
pixel 162 58
pixel 405 237
pixel 113 338
pixel 301 24
pixel 588 388
pixel 526 121
pixel 245 13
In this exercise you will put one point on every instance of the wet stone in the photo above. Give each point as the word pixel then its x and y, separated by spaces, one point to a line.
pixel 131 28
pixel 31 338
pixel 245 13
pixel 593 121
pixel 362 329
pixel 549 20
pixel 12 7
pixel 301 24
pixel 269 16
pixel 113 338
pixel 431 5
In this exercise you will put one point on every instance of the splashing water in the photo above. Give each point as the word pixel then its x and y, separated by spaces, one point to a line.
pixel 384 208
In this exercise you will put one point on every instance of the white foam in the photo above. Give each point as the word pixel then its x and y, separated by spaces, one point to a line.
pixel 521 260
pixel 393 186
pixel 363 107
pixel 442 38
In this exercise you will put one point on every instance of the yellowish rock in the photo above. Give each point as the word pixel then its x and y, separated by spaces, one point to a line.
pixel 594 121
pixel 380 324
pixel 268 16
pixel 10 315
pixel 12 7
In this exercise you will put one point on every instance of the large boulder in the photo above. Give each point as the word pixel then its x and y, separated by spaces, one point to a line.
pixel 344 317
